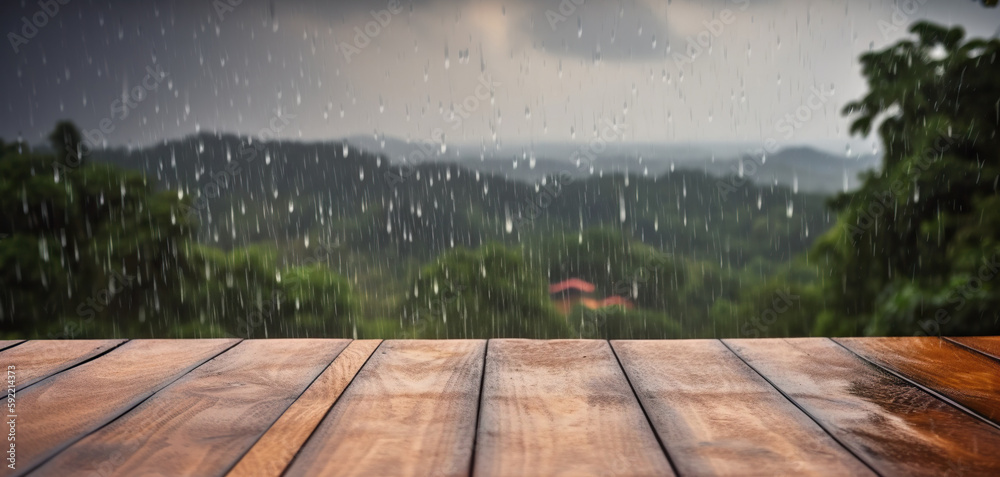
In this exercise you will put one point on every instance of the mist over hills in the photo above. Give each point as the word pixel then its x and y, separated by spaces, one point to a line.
pixel 812 169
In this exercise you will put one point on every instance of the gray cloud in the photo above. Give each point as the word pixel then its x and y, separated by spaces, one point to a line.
pixel 232 75
pixel 610 31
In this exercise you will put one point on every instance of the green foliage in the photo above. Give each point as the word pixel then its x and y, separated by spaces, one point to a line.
pixel 614 263
pixel 75 240
pixel 783 303
pixel 925 230
pixel 90 250
pixel 616 322
pixel 66 139
pixel 97 251
pixel 320 302
pixel 486 293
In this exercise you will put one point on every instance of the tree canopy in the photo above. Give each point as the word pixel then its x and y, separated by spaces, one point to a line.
pixel 916 248
pixel 91 250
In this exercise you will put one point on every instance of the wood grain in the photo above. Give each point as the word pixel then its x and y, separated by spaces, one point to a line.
pixel 4 344
pixel 562 408
pixel 410 411
pixel 988 345
pixel 37 360
pixel 897 428
pixel 61 409
pixel 964 376
pixel 716 416
pixel 204 422
pixel 274 451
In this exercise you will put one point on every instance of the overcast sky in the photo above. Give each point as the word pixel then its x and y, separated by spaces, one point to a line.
pixel 555 74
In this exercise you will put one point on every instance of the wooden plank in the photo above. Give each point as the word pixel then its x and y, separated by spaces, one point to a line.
pixel 716 416
pixel 411 410
pixel 204 422
pixel 61 409
pixel 562 408
pixel 37 360
pixel 897 428
pixel 964 376
pixel 274 451
pixel 988 345
pixel 4 344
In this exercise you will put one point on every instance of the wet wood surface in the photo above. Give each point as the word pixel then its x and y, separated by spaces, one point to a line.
pixel 716 416
pixel 4 344
pixel 988 345
pixel 895 427
pixel 37 360
pixel 816 406
pixel 569 393
pixel 411 411
pixel 275 450
pixel 63 408
pixel 204 422
pixel 964 376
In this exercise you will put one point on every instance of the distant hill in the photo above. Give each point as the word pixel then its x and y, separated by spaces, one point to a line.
pixel 812 169
pixel 282 192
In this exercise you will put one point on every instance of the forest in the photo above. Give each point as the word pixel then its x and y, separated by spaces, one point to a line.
pixel 221 235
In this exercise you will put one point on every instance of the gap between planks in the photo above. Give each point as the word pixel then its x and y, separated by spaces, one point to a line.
pixel 278 446
pixel 38 360
pixel 305 433
pixel 99 398
pixel 878 415
pixel 914 378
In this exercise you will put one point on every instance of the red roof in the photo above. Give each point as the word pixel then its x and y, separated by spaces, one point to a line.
pixel 572 283
pixel 616 301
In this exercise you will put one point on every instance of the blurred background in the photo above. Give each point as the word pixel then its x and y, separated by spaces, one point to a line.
pixel 474 169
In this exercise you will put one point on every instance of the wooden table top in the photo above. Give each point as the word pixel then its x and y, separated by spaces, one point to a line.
pixel 845 406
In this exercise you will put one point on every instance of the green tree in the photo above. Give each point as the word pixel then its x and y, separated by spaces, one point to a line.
pixel 66 140
pixel 83 246
pixel 915 249
pixel 490 292
pixel 91 250
pixel 618 323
